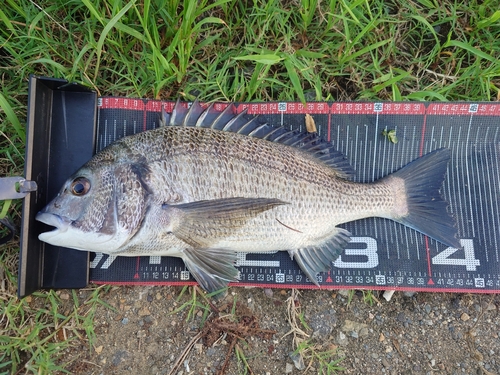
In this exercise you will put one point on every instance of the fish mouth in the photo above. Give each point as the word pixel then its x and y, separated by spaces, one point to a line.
pixel 60 223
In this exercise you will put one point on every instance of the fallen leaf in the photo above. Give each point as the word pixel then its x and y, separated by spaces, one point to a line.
pixel 310 124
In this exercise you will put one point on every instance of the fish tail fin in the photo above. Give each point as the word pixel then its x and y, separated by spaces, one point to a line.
pixel 424 208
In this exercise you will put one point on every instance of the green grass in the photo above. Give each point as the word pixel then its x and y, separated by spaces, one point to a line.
pixel 228 50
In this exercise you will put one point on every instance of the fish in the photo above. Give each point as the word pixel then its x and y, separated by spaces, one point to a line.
pixel 208 184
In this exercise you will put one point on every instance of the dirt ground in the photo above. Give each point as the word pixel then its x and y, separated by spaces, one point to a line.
pixel 413 333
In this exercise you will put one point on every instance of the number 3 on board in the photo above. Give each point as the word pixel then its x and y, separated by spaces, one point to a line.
pixel 469 260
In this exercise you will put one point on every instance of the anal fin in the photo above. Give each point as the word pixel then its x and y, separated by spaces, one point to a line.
pixel 315 259
pixel 213 269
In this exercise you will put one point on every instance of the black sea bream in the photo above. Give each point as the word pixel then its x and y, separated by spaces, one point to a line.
pixel 209 184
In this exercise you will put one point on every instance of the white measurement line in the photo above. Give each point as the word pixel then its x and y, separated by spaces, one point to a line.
pixel 458 182
pixel 365 162
pixel 469 175
pixel 383 169
pixel 440 145
pixel 105 133
pixel 403 151
pixel 462 181
pixel 432 139
pixel 413 153
pixel 479 186
pixel 451 176
pixel 384 172
pixel 337 147
pixel 356 150
pixel 375 143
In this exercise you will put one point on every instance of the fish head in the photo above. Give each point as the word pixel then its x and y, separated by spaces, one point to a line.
pixel 99 208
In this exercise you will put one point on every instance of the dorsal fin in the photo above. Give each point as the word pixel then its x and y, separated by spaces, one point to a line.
pixel 254 126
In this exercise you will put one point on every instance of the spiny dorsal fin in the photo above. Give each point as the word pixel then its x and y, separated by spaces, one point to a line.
pixel 253 126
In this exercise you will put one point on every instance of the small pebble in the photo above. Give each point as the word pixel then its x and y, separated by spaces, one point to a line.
pixel 344 292
pixel 268 292
pixel 141 334
pixel 363 332
pixel 297 360
pixel 144 311
pixel 388 295
pixel 64 296
pixel 464 317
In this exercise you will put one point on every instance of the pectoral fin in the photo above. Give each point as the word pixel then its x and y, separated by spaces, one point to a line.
pixel 202 223
pixel 213 269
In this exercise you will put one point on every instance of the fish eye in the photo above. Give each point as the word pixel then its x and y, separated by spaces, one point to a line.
pixel 80 186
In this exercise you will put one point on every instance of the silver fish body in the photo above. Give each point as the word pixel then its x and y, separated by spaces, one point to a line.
pixel 208 185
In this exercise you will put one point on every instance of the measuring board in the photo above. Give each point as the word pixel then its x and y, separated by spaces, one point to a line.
pixel 382 254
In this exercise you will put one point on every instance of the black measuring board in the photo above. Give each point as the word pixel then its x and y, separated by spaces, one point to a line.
pixel 382 253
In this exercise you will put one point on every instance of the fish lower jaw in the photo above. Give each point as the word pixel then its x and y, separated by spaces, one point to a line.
pixel 77 240
pixel 66 235
pixel 60 223
pixel 48 236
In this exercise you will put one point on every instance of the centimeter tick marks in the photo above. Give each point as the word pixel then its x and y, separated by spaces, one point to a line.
pixel 382 253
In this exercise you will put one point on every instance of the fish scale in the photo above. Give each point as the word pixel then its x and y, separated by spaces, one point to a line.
pixel 235 192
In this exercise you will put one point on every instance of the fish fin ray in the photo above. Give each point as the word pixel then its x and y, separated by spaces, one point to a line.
pixel 204 116
pixel 223 117
pixel 193 113
pixel 202 223
pixel 316 259
pixel 178 113
pixel 213 269
pixel 427 210
pixel 252 125
pixel 236 122
pixel 164 118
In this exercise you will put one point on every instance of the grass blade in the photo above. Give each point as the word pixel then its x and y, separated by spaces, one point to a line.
pixel 266 59
pixel 11 116
pixel 294 78
pixel 112 22
pixel 474 51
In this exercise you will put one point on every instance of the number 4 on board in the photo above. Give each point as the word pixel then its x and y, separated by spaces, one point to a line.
pixel 469 260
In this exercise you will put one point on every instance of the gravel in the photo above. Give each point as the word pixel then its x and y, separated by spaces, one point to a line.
pixel 413 333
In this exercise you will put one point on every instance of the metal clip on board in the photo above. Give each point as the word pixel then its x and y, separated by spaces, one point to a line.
pixel 13 188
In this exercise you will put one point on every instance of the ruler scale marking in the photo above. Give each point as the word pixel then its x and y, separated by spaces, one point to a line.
pixel 481 172
pixel 468 174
